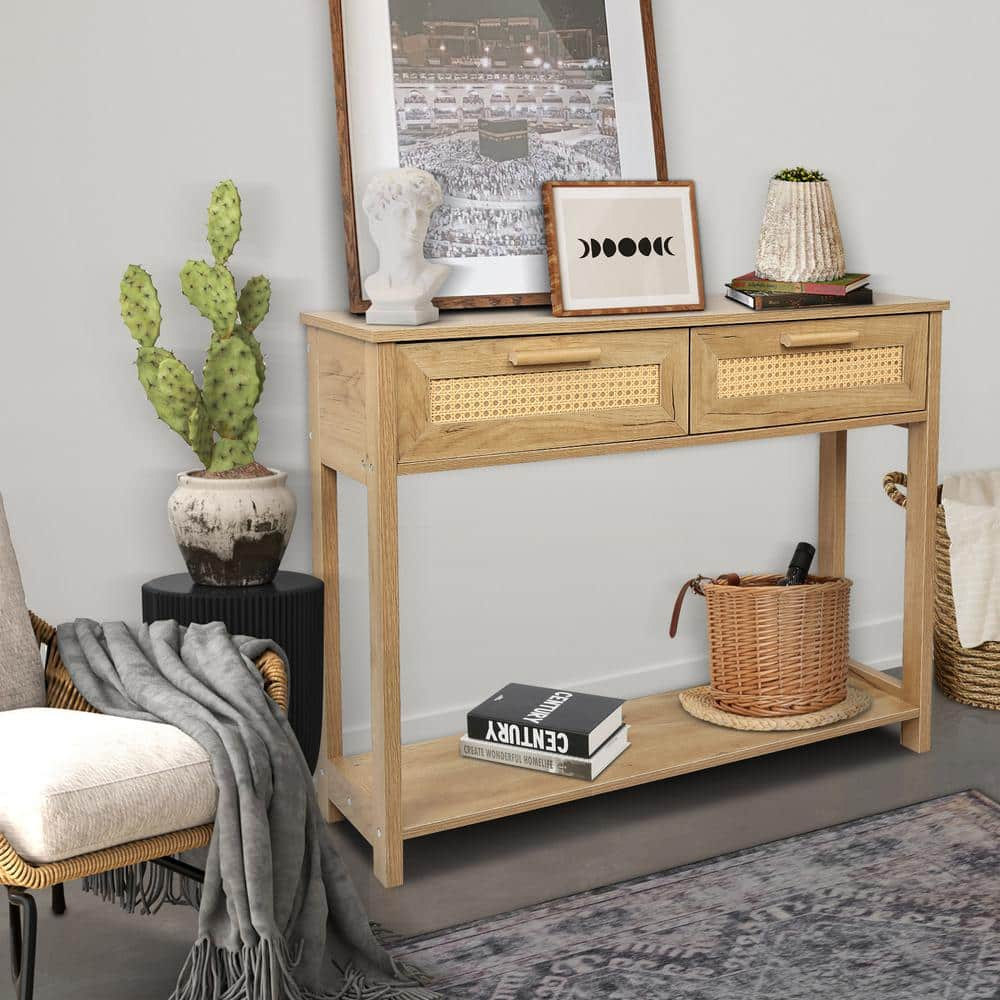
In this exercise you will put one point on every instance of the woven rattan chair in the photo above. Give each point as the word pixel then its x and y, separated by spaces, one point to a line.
pixel 22 878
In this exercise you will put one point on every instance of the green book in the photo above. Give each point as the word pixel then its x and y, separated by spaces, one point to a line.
pixel 840 286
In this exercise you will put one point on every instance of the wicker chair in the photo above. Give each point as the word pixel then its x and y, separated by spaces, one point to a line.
pixel 22 878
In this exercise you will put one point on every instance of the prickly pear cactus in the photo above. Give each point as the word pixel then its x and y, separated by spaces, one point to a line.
pixel 258 356
pixel 231 387
pixel 227 454
pixel 254 302
pixel 148 362
pixel 201 435
pixel 251 435
pixel 174 395
pixel 225 221
pixel 212 291
pixel 140 306
pixel 217 420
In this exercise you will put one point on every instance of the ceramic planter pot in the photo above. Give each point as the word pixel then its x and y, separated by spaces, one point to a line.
pixel 232 532
pixel 800 237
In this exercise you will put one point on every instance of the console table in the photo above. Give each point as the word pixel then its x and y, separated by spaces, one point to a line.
pixel 518 385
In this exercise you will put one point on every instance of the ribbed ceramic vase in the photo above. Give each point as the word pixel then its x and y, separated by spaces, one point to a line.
pixel 800 236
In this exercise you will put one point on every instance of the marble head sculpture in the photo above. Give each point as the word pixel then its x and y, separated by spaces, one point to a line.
pixel 399 204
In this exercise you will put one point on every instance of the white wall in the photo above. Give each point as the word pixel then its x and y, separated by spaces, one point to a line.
pixel 116 118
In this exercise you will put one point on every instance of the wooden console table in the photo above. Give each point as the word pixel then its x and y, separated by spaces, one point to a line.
pixel 498 387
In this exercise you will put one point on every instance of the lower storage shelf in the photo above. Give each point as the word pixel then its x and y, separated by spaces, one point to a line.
pixel 442 791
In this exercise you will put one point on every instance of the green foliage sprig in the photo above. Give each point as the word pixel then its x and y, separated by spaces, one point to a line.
pixel 799 174
pixel 218 420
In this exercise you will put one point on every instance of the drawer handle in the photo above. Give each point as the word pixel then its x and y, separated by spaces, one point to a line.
pixel 819 339
pixel 556 356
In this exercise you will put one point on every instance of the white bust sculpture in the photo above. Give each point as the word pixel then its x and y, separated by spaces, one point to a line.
pixel 399 204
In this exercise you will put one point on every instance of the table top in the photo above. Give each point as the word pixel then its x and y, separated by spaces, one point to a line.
pixel 526 322
pixel 180 584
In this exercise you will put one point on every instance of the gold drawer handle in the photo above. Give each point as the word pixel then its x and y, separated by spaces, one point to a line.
pixel 819 339
pixel 556 356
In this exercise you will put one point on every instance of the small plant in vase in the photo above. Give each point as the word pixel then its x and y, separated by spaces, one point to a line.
pixel 232 520
pixel 800 236
pixel 800 175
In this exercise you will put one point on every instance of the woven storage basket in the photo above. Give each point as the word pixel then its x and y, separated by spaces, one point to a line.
pixel 971 676
pixel 778 651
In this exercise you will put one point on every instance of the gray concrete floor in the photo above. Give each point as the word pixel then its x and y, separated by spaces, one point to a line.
pixel 96 952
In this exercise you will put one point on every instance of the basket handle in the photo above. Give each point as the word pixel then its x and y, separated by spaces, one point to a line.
pixel 696 584
pixel 890 483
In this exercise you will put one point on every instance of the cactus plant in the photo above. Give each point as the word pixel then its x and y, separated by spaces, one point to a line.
pixel 218 419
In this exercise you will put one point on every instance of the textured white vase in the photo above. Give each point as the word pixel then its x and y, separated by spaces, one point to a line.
pixel 800 237
pixel 232 532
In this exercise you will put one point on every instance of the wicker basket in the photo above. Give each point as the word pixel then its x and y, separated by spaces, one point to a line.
pixel 777 651
pixel 971 676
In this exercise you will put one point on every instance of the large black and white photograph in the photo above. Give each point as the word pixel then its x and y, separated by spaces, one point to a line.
pixel 494 98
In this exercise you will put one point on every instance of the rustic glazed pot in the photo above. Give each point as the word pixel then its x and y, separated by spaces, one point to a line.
pixel 232 532
pixel 800 237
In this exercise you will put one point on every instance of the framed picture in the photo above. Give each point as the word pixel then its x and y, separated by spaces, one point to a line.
pixel 493 97
pixel 623 247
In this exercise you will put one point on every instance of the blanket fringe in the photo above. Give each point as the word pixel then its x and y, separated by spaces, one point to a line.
pixel 260 973
pixel 357 987
pixel 409 971
pixel 265 971
pixel 144 888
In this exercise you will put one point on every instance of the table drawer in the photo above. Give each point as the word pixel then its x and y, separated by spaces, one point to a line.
pixel 488 397
pixel 785 373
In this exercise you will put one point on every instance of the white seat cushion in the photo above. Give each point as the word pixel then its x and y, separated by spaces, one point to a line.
pixel 73 782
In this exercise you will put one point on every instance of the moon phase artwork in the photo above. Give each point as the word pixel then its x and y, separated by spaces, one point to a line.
pixel 622 247
pixel 627 247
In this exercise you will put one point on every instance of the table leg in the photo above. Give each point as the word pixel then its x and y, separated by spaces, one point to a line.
pixel 326 565
pixel 832 534
pixel 383 573
pixel 918 593
pixel 329 562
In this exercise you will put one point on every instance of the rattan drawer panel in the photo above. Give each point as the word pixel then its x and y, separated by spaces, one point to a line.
pixel 544 393
pixel 469 398
pixel 814 371
pixel 771 374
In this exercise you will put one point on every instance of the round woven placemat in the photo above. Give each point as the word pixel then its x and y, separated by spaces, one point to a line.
pixel 698 702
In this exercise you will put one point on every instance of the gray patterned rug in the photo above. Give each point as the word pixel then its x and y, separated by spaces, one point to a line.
pixel 902 906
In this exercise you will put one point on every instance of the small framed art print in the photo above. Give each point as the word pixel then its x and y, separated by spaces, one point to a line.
pixel 623 247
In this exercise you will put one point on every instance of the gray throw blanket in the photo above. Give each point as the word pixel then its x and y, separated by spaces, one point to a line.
pixel 279 918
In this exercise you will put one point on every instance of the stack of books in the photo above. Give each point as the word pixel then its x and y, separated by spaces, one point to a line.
pixel 759 293
pixel 562 732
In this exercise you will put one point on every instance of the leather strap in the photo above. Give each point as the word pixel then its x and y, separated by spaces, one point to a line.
pixel 696 584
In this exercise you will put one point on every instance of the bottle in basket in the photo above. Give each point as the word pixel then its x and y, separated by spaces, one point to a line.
pixel 798 568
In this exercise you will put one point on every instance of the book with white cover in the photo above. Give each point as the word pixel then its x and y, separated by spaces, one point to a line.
pixel 587 768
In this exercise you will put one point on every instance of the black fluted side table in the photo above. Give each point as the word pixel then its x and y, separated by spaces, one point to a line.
pixel 289 611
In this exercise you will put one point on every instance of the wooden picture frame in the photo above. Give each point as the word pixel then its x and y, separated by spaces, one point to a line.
pixel 650 250
pixel 355 232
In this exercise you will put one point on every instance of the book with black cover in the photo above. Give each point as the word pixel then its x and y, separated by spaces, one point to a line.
pixel 586 768
pixel 546 719
pixel 762 300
